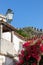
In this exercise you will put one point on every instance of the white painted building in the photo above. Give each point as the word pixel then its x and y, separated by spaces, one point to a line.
pixel 10 42
pixel 17 41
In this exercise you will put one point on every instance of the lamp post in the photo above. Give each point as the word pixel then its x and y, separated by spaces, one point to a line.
pixel 9 15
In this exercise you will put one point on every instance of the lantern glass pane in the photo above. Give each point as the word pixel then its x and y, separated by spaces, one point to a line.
pixel 9 16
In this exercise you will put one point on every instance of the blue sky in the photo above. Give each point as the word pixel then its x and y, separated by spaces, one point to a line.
pixel 26 12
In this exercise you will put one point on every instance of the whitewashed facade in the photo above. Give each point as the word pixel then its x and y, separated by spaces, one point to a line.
pixel 16 40
pixel 10 42
pixel 16 44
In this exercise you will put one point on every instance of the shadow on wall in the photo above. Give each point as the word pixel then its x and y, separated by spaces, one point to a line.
pixel 11 63
pixel 3 63
pixel 8 61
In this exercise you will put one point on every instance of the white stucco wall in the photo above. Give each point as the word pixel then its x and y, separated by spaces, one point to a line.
pixel 16 40
pixel 2 60
pixel 7 47
pixel 7 36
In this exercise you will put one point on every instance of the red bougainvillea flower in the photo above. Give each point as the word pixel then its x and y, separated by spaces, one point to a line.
pixel 21 56
pixel 27 44
pixel 42 37
pixel 17 63
pixel 27 57
pixel 41 48
pixel 38 42
pixel 22 51
pixel 32 48
pixel 35 56
pixel 34 64
pixel 21 61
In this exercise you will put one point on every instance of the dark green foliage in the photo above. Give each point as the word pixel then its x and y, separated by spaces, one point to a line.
pixel 21 32
pixel 28 32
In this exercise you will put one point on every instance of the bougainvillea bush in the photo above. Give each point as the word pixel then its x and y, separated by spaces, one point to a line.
pixel 31 51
